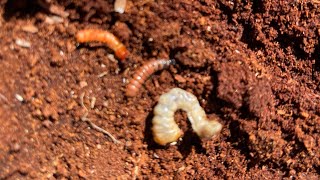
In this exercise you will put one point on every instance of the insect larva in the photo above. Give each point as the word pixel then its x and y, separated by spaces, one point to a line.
pixel 146 70
pixel 165 130
pixel 104 36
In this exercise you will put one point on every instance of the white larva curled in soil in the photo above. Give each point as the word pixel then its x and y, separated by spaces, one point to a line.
pixel 120 6
pixel 165 130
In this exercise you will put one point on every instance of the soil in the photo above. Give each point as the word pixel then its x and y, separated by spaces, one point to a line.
pixel 254 65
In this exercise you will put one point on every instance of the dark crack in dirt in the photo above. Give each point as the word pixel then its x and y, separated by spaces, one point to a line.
pixel 255 65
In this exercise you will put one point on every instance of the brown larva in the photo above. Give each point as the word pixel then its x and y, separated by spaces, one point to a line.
pixel 106 37
pixel 146 70
pixel 165 130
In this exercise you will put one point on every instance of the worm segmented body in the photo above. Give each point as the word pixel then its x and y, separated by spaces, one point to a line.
pixel 106 37
pixel 165 130
pixel 142 74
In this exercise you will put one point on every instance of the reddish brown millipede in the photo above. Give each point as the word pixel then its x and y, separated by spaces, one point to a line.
pixel 88 35
pixel 142 74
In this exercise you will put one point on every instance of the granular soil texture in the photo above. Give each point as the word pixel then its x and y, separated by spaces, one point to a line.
pixel 253 65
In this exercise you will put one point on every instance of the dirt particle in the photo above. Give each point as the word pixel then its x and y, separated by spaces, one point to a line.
pixel 33 60
pixel 23 43
pixel 57 58
pixel 70 46
pixel 71 105
pixel 53 20
pixel 180 79
pixel 30 28
pixel 112 117
pixel 83 84
pixel 281 112
pixel 15 148
pixel 49 111
pixel 304 114
pixel 47 123
pixel 82 174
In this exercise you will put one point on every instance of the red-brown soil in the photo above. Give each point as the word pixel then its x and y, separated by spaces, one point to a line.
pixel 252 64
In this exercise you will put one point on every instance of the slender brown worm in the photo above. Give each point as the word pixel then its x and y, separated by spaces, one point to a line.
pixel 165 130
pixel 142 74
pixel 88 35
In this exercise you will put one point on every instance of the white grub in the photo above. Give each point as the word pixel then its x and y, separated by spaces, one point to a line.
pixel 23 43
pixel 120 6
pixel 165 130
pixel 19 97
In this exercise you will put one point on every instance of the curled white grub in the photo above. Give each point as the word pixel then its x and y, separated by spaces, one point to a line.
pixel 165 130
pixel 120 6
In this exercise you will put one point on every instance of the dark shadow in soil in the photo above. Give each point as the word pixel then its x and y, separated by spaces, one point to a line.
pixel 238 137
pixel 190 139
pixel 239 140
pixel 286 40
pixel 176 51
pixel 20 9
pixel 216 103
pixel 248 37
pixel 244 109
pixel 317 168
pixel 226 10
pixel 257 7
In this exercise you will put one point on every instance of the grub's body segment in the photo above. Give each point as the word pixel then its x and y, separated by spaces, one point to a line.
pixel 165 130
pixel 144 72
pixel 104 36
